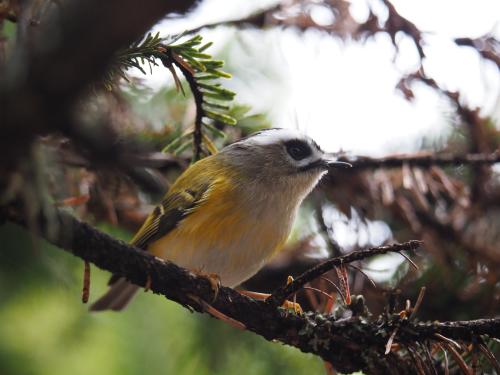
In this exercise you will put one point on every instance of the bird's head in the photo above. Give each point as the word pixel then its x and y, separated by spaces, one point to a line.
pixel 280 155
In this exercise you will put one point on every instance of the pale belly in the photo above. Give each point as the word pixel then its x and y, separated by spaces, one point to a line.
pixel 227 246
pixel 226 262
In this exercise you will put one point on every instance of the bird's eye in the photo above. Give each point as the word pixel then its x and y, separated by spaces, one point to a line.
pixel 298 150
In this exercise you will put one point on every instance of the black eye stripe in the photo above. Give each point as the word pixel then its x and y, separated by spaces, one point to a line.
pixel 298 149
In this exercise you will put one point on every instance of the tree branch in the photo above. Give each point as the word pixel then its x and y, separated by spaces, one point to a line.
pixel 420 160
pixel 280 295
pixel 350 344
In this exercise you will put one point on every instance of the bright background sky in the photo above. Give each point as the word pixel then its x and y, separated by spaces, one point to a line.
pixel 343 94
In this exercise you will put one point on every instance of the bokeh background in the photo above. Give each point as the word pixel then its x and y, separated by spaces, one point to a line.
pixel 300 64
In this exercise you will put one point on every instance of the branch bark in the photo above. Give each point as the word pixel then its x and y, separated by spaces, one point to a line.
pixel 420 160
pixel 350 344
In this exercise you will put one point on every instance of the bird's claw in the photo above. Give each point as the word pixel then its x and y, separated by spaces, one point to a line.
pixel 214 281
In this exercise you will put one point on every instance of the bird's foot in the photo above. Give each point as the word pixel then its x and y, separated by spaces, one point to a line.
pixel 289 305
pixel 213 279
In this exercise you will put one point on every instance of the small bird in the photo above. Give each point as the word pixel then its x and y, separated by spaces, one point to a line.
pixel 229 213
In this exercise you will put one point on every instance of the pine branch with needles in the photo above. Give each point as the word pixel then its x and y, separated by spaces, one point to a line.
pixel 201 72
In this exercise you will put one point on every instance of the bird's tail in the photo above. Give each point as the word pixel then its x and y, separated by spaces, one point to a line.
pixel 117 297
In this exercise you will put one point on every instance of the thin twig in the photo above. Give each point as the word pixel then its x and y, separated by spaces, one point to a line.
pixel 430 361
pixel 147 287
pixel 313 300
pixel 490 356
pixel 418 303
pixel 86 282
pixel 409 260
pixel 448 340
pixel 218 314
pixel 417 359
pixel 473 350
pixel 344 283
pixel 337 288
pixel 391 339
pixel 333 246
pixel 446 363
pixel 319 291
pixel 458 358
pixel 364 274
pixel 281 294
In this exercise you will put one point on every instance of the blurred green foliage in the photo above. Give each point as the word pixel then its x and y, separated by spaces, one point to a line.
pixel 45 329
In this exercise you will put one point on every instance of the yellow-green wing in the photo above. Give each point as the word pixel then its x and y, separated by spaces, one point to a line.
pixel 165 217
pixel 176 205
pixel 182 198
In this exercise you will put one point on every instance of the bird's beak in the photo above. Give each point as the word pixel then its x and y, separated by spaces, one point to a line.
pixel 326 164
pixel 330 164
